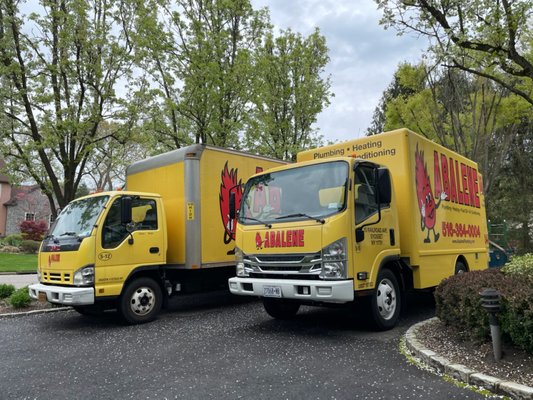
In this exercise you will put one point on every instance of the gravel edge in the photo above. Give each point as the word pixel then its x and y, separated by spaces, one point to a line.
pixel 461 372
pixel 33 312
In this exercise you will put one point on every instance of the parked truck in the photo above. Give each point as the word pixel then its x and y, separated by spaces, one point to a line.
pixel 365 220
pixel 169 233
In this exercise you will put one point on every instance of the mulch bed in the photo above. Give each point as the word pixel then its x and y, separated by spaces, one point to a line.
pixel 516 365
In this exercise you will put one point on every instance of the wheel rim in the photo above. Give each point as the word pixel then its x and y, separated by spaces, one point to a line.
pixel 142 301
pixel 386 299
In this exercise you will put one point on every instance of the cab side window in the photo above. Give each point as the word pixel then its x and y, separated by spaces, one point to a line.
pixel 144 217
pixel 365 193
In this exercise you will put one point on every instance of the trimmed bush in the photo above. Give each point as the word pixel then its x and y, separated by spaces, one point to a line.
pixel 12 240
pixel 20 298
pixel 522 265
pixel 6 290
pixel 30 246
pixel 458 304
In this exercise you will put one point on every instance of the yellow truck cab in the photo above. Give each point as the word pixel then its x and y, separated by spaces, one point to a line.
pixel 169 234
pixel 370 218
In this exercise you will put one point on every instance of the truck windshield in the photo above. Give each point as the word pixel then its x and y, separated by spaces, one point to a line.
pixel 307 192
pixel 78 218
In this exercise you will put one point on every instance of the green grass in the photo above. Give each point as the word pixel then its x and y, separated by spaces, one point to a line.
pixel 18 262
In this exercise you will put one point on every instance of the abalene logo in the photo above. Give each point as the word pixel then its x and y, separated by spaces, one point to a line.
pixel 230 182
pixel 426 202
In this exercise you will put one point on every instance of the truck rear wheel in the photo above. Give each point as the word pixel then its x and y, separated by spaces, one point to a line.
pixel 386 301
pixel 141 301
pixel 460 268
pixel 280 309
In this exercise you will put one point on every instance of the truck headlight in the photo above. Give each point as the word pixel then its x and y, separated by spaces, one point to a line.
pixel 239 259
pixel 84 276
pixel 242 269
pixel 334 260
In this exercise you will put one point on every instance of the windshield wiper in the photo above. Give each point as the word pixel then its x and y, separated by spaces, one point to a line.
pixel 258 220
pixel 69 233
pixel 317 219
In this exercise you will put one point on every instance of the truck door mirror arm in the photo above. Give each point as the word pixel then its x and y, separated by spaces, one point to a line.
pixel 383 196
pixel 233 203
pixel 125 210
pixel 126 216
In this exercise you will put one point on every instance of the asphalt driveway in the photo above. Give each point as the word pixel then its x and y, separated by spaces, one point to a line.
pixel 215 346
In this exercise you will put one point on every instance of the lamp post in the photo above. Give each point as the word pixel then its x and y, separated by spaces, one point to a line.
pixel 490 301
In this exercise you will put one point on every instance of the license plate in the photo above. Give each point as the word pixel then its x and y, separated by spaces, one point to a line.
pixel 271 291
pixel 42 297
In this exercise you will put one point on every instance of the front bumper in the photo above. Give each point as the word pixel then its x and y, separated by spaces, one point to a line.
pixel 320 291
pixel 68 296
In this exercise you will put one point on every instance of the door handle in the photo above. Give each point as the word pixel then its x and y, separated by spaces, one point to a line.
pixel 154 250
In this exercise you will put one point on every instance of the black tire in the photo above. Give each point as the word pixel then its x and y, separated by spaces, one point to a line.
pixel 90 310
pixel 280 309
pixel 140 301
pixel 386 302
pixel 460 268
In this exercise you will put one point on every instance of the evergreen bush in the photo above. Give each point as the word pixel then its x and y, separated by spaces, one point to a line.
pixel 20 298
pixel 30 246
pixel 458 303
pixel 6 290
pixel 12 240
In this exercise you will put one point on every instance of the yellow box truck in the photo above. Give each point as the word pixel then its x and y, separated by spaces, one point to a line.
pixel 169 233
pixel 366 219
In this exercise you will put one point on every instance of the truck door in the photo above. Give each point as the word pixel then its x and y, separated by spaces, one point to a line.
pixel 120 249
pixel 377 233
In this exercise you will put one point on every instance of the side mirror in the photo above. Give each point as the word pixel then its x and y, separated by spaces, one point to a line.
pixel 359 235
pixel 384 186
pixel 125 210
pixel 232 211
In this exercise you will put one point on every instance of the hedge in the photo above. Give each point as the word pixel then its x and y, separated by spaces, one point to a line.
pixel 458 303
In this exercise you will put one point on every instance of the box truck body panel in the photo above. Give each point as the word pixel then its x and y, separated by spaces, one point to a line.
pixel 194 183
pixel 423 171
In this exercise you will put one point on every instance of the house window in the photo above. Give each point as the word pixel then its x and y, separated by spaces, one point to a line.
pixel 51 220
pixel 29 217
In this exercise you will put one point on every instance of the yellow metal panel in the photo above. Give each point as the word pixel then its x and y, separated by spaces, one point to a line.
pixel 219 172
pixel 439 196
pixel 168 181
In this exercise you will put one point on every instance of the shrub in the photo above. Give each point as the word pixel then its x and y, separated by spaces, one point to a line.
pixel 458 304
pixel 522 265
pixel 33 230
pixel 30 246
pixel 12 240
pixel 6 290
pixel 20 298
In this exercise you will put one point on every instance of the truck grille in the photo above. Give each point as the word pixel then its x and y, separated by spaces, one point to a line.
pixel 288 266
pixel 56 277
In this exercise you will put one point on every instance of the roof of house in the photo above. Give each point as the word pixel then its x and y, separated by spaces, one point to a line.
pixel 18 192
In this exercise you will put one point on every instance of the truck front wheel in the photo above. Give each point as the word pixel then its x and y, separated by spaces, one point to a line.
pixel 280 309
pixel 386 301
pixel 141 301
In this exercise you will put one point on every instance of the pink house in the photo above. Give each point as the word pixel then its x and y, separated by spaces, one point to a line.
pixel 19 203
pixel 5 196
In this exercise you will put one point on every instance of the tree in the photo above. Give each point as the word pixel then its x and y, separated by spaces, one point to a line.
pixel 470 115
pixel 60 67
pixel 200 54
pixel 289 93
pixel 491 39
pixel 513 193
pixel 106 169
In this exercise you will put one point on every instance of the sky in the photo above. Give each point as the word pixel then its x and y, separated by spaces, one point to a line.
pixel 363 56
